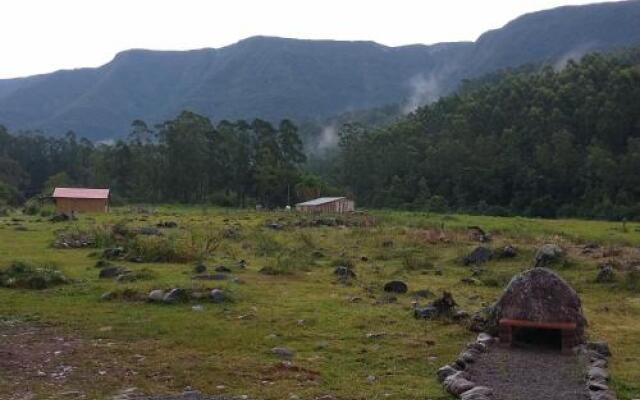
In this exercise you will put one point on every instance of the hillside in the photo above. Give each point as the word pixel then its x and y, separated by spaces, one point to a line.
pixel 274 78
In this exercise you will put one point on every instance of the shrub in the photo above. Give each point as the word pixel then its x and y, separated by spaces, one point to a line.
pixel 32 207
pixel 415 262
pixel 27 276
pixel 266 245
pixel 496 279
pixel 632 280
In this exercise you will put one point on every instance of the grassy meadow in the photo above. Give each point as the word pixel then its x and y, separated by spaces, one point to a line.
pixel 349 340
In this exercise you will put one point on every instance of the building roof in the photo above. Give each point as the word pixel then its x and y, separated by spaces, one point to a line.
pixel 80 193
pixel 320 201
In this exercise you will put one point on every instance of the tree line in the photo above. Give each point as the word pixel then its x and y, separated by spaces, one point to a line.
pixel 187 160
pixel 545 143
pixel 530 141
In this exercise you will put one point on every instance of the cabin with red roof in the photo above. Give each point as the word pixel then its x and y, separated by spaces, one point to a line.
pixel 79 200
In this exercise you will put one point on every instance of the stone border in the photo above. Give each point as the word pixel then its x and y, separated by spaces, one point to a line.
pixel 597 356
pixel 456 381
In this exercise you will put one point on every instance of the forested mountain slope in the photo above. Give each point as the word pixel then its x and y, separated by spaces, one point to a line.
pixel 548 143
pixel 274 78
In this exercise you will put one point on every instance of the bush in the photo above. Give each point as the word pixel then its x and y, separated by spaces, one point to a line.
pixel 32 207
pixel 266 245
pixel 632 280
pixel 27 276
pixel 9 195
pixel 414 262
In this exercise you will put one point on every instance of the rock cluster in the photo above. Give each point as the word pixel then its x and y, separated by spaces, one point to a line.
pixel 176 295
pixel 455 380
pixel 444 306
pixel 597 377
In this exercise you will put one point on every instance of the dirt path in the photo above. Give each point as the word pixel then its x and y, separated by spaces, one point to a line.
pixel 530 374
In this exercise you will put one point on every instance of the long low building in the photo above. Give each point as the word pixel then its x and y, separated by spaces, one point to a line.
pixel 327 204
pixel 72 200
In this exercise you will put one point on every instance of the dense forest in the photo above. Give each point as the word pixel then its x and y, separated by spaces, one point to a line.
pixel 187 160
pixel 548 143
pixel 531 141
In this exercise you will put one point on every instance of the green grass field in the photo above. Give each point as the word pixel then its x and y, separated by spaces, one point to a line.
pixel 226 348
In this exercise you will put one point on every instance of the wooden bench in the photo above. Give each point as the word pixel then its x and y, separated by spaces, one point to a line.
pixel 567 329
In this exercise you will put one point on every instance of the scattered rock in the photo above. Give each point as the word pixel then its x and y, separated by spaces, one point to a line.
pixel 479 255
pixel 344 274
pixel 217 296
pixel 606 274
pixel 283 352
pixel 113 253
pixel 508 251
pixel 477 393
pixel 547 254
pixel 395 287
pixel 457 384
pixel 174 295
pixel 112 272
pixel 600 347
pixel 445 372
pixel 156 295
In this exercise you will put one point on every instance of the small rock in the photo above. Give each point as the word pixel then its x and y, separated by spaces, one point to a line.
pixel 395 287
pixel 606 274
pixel 547 254
pixel 222 268
pixel 112 272
pixel 176 294
pixel 217 296
pixel 595 373
pixel 477 393
pixel 457 384
pixel 156 295
pixel 283 352
pixel 508 251
pixel 344 273
pixel 600 347
pixel 479 255
pixel 444 372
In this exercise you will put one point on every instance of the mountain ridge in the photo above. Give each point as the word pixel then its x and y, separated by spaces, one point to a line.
pixel 273 78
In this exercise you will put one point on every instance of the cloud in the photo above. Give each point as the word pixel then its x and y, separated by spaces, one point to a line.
pixel 574 54
pixel 424 90
pixel 328 139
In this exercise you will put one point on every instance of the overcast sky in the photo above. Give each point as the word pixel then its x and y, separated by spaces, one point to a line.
pixel 38 36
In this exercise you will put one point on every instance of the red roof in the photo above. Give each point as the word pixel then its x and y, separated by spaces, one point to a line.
pixel 81 193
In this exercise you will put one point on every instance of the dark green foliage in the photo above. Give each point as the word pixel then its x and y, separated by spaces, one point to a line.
pixel 540 144
pixel 26 276
pixel 187 160
pixel 631 280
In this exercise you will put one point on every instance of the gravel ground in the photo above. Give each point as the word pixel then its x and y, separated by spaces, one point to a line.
pixel 530 374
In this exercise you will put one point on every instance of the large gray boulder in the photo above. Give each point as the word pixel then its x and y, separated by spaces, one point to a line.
pixel 539 295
